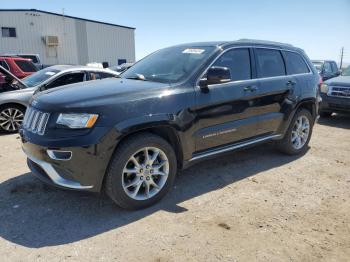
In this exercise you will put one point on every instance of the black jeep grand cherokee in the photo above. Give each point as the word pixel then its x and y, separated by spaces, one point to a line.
pixel 129 136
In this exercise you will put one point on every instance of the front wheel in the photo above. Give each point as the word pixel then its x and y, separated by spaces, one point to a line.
pixel 11 118
pixel 141 171
pixel 298 135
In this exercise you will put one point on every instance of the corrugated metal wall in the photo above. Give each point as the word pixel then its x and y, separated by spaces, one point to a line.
pixel 79 41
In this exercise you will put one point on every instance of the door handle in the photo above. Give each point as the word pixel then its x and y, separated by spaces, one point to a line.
pixel 250 89
pixel 291 83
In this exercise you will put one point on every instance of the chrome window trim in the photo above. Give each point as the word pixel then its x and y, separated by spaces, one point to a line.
pixel 262 78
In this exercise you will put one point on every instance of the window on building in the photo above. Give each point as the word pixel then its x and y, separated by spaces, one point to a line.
pixel 238 61
pixel 121 61
pixel 8 32
pixel 295 64
pixel 270 63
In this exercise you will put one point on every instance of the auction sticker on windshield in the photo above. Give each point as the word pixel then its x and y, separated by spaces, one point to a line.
pixel 193 51
pixel 50 73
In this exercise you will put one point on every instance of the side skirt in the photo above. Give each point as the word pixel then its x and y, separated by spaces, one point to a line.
pixel 228 148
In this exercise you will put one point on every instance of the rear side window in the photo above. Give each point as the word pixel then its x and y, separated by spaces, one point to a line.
pixel 4 65
pixel 99 75
pixel 269 62
pixel 238 61
pixel 327 67
pixel 295 63
pixel 25 66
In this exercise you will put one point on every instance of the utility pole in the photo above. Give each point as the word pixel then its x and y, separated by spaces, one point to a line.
pixel 341 57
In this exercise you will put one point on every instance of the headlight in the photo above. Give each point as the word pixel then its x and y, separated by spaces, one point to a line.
pixel 77 120
pixel 324 88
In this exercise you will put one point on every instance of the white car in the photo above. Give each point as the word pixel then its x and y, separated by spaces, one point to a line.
pixel 15 94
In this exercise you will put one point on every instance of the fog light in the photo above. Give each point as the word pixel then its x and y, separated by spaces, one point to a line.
pixel 59 155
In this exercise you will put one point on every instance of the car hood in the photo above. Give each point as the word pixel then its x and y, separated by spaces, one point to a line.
pixel 95 93
pixel 339 81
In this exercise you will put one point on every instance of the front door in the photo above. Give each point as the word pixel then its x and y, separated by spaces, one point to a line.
pixel 225 113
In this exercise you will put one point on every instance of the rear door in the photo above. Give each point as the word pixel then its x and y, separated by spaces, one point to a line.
pixel 274 87
pixel 225 114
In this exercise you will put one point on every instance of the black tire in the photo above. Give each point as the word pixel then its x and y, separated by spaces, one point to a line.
pixel 285 145
pixel 114 176
pixel 325 114
pixel 4 109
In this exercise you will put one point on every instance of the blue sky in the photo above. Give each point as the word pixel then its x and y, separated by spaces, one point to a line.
pixel 321 28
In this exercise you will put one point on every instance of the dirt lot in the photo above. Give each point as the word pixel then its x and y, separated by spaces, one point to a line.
pixel 253 205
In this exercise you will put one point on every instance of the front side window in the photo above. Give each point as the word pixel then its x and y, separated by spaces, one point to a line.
pixel 318 65
pixel 334 67
pixel 67 80
pixel 269 62
pixel 26 66
pixel 238 61
pixel 8 32
pixel 295 63
pixel 170 65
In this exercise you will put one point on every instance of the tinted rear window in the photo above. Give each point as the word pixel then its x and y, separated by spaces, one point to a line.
pixel 25 66
pixel 4 65
pixel 32 57
pixel 238 61
pixel 295 63
pixel 270 63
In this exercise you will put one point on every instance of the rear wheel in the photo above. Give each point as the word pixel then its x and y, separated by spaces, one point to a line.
pixel 11 118
pixel 298 135
pixel 141 171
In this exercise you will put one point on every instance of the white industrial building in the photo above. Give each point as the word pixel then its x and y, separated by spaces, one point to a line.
pixel 63 39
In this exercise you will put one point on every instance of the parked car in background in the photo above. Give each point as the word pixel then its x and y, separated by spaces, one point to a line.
pixel 16 94
pixel 35 58
pixel 121 68
pixel 326 68
pixel 335 94
pixel 177 106
pixel 20 67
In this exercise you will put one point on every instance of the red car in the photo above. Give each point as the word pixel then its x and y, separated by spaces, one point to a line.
pixel 18 66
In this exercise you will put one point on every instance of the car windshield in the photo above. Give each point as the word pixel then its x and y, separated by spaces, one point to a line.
pixel 169 65
pixel 318 65
pixel 346 71
pixel 39 77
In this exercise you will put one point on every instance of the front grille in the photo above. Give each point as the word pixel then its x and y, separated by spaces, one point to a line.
pixel 340 91
pixel 35 121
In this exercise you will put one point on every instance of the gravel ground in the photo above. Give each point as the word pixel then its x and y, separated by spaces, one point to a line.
pixel 252 205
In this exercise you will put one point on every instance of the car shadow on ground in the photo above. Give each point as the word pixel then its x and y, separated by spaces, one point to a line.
pixel 336 120
pixel 35 215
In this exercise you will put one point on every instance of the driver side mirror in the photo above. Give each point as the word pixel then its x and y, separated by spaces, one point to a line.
pixel 216 75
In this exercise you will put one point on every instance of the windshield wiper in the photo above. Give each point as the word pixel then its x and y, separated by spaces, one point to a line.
pixel 137 77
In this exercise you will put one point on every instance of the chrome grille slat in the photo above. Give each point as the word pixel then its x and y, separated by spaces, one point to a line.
pixel 35 121
pixel 339 91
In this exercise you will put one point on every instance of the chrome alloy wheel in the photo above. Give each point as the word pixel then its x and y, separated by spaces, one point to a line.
pixel 11 119
pixel 145 173
pixel 300 132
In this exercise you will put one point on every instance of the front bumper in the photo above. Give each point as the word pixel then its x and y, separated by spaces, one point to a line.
pixel 334 104
pixel 83 170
